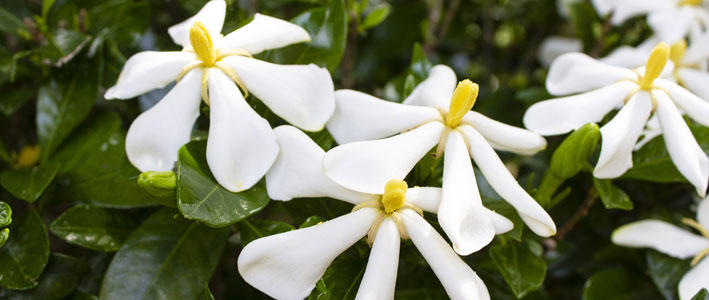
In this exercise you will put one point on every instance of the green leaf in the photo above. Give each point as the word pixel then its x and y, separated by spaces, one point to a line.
pixel 93 227
pixel 60 279
pixel 520 267
pixel 61 105
pixel 327 27
pixel 5 214
pixel 312 221
pixel 206 293
pixel 420 65
pixel 167 257
pixel 4 235
pixel 4 156
pixel 95 168
pixel 9 22
pixel 200 197
pixel 701 295
pixel 29 183
pixel 256 229
pixel 46 6
pixel 615 284
pixel 666 272
pixel 612 196
pixel 26 253
pixel 121 21
pixel 376 16
pixel 568 160
pixel 341 279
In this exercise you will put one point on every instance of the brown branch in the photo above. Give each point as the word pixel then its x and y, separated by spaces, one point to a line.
pixel 581 212
pixel 434 19
pixel 348 58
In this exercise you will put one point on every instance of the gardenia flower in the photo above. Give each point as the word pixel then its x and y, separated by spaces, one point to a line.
pixel 676 242
pixel 671 20
pixel 638 94
pixel 436 113
pixel 288 265
pixel 241 145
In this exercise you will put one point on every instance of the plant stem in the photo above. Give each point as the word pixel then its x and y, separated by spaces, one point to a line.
pixel 581 212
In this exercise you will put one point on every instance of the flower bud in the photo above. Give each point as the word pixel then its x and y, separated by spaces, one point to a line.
pixel 160 184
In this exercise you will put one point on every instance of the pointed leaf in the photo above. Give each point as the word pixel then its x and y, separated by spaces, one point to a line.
pixel 25 254
pixel 93 227
pixel 520 267
pixel 612 196
pixel 62 276
pixel 29 183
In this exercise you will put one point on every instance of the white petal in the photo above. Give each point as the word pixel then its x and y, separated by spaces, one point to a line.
pixel 426 198
pixel 696 81
pixel 436 91
pixel 360 117
pixel 695 107
pixel 298 173
pixel 264 33
pixel 618 137
pixel 461 213
pixel 287 265
pixel 627 9
pixel 146 71
pixel 627 57
pixel 703 213
pixel 156 135
pixel 211 15
pixel 505 137
pixel 379 279
pixel 303 95
pixel 555 46
pixel 671 25
pixel 501 223
pixel 695 280
pixel 698 50
pixel 577 72
pixel 661 236
pixel 561 115
pixel 684 151
pixel 241 145
pixel 603 7
pixel 506 186
pixel 366 166
pixel 458 279
pixel 651 131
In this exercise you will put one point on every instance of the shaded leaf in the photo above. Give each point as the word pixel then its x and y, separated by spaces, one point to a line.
pixel 200 197
pixel 167 257
pixel 341 279
pixel 255 229
pixel 612 196
pixel 615 284
pixel 666 272
pixel 312 221
pixel 520 267
pixel 25 254
pixel 376 16
pixel 9 22
pixel 4 236
pixel 93 227
pixel 702 295
pixel 29 183
pixel 60 279
pixel 5 214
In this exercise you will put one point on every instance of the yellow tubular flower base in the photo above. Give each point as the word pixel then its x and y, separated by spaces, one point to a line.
pixel 462 101
pixel 694 224
pixel 391 203
pixel 203 47
pixel 677 52
pixel 690 2
pixel 655 64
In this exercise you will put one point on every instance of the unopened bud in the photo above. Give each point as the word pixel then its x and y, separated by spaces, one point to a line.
pixel 160 184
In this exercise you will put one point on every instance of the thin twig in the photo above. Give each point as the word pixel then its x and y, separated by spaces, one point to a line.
pixel 581 212
pixel 348 58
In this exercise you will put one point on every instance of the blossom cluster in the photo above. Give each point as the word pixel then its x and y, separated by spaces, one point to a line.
pixel 379 143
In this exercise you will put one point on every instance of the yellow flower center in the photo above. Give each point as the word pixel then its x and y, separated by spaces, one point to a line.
pixel 694 224
pixel 655 64
pixel 202 44
pixel 28 156
pixel 462 101
pixel 677 52
pixel 691 2
pixel 394 195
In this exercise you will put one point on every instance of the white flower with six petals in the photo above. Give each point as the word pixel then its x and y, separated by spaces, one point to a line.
pixel 241 146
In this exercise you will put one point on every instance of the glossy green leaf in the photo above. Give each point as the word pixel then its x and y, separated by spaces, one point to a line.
pixel 341 279
pixel 311 221
pixel 167 257
pixel 59 280
pixel 420 65
pixel 25 254
pixel 568 160
pixel 5 214
pixel 612 196
pixel 4 236
pixel 206 293
pixel 96 170
pixel 120 21
pixel 615 284
pixel 666 272
pixel 46 6
pixel 701 295
pixel 29 183
pixel 255 229
pixel 10 23
pixel 376 16
pixel 93 227
pixel 200 197
pixel 520 267
pixel 61 105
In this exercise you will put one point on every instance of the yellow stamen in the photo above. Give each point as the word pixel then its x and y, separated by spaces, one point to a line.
pixel 677 52
pixel 202 44
pixel 699 257
pixel 655 64
pixel 394 195
pixel 462 101
pixel 694 224
pixel 230 72
pixel 205 86
pixel 29 155
pixel 691 2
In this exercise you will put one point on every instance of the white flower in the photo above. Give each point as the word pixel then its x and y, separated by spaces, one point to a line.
pixel 671 20
pixel 638 94
pixel 555 46
pixel 676 242
pixel 241 145
pixel 288 265
pixel 434 114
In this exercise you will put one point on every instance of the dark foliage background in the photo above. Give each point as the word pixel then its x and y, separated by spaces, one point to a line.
pixel 81 223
